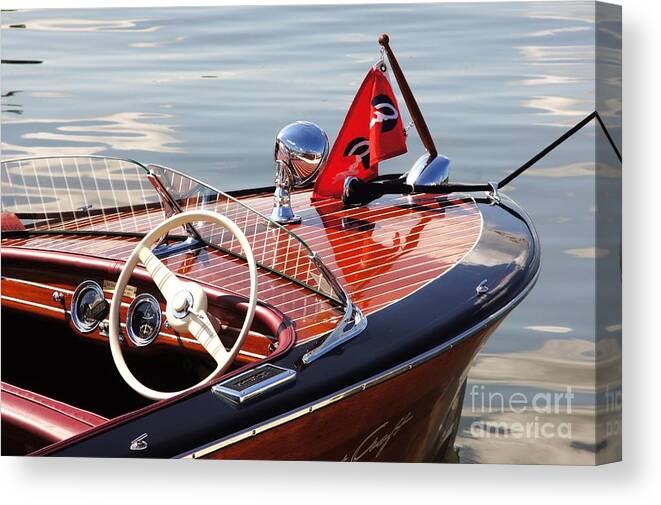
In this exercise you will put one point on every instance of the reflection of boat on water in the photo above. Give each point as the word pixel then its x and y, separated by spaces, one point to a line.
pixel 343 333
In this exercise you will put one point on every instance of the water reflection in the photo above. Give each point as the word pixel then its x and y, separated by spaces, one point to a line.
pixel 555 365
pixel 151 45
pixel 529 438
pixel 89 25
pixel 589 253
pixel 541 55
pixel 546 80
pixel 49 94
pixel 11 108
pixel 551 32
pixel 540 406
pixel 121 131
pixel 560 106
pixel 550 329
pixel 21 62
pixel 576 11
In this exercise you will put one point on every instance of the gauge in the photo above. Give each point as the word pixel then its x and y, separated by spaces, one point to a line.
pixel 88 306
pixel 143 319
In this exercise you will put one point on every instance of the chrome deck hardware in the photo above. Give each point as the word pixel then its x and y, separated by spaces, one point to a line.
pixel 301 149
pixel 353 321
pixel 482 288
pixel 493 195
pixel 429 172
pixel 139 443
pixel 254 382
pixel 282 212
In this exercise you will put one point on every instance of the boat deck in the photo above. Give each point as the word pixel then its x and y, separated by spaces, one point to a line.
pixel 380 253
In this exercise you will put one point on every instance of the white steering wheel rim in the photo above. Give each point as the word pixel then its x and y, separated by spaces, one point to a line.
pixel 127 271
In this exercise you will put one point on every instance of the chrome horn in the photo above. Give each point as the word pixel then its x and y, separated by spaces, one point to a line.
pixel 301 149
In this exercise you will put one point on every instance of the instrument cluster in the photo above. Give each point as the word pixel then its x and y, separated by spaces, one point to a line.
pixel 89 308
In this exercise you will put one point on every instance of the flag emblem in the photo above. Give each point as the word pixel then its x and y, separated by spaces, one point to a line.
pixel 372 132
pixel 359 148
pixel 385 112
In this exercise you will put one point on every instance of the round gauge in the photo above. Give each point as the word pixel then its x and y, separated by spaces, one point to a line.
pixel 143 319
pixel 88 306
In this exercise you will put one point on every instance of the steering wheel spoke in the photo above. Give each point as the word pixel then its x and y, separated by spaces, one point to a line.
pixel 165 280
pixel 201 327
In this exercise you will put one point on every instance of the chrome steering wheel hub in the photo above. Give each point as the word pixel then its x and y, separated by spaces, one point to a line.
pixel 181 304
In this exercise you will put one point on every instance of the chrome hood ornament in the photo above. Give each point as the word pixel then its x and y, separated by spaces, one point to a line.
pixel 301 149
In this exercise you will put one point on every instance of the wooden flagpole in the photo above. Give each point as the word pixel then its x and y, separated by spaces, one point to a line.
pixel 411 104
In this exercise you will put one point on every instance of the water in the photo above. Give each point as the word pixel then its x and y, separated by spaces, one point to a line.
pixel 205 90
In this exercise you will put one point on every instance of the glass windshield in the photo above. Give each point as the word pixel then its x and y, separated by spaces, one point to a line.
pixel 85 193
pixel 100 194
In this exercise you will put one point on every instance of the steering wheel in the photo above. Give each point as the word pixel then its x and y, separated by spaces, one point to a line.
pixel 186 308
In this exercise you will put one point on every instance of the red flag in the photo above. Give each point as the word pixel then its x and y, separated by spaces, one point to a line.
pixel 372 132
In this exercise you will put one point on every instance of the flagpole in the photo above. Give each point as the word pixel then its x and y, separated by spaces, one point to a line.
pixel 411 104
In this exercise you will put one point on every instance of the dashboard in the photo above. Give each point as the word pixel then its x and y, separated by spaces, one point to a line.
pixel 78 294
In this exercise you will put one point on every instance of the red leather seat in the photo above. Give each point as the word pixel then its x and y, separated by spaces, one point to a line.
pixel 31 421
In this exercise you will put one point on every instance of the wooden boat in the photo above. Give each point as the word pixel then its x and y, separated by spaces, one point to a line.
pixel 433 276
pixel 342 332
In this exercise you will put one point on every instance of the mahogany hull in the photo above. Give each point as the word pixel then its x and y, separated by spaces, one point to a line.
pixel 411 417
pixel 393 393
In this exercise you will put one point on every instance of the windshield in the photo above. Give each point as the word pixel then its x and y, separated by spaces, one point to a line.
pixel 55 193
pixel 112 195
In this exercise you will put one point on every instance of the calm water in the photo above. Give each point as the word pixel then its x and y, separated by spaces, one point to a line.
pixel 205 90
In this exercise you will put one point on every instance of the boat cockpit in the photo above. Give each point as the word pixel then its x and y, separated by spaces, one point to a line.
pixel 166 269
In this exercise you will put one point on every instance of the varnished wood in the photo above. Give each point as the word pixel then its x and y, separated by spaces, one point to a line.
pixel 411 103
pixel 394 420
pixel 34 297
pixel 380 253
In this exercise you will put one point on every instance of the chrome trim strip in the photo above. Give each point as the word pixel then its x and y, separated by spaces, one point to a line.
pixel 252 354
pixel 357 388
